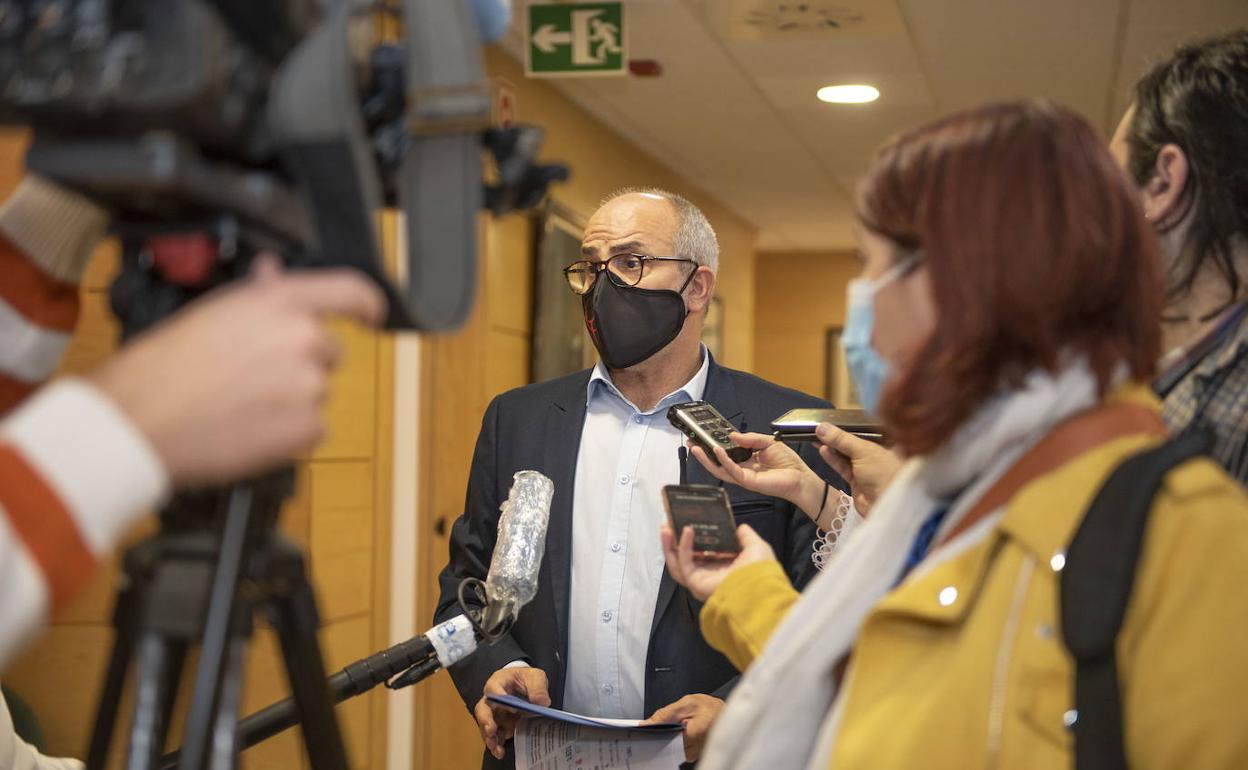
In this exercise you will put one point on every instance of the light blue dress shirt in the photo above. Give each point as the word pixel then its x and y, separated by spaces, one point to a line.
pixel 626 457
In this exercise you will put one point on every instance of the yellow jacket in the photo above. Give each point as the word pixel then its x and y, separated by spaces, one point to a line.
pixel 985 682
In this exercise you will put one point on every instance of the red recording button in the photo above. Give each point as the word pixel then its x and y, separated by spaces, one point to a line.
pixel 184 260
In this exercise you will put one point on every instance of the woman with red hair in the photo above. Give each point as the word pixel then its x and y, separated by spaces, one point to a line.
pixel 1003 328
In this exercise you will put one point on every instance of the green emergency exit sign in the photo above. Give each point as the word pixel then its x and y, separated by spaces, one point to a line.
pixel 575 39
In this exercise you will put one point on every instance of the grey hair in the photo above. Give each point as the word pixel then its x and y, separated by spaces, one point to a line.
pixel 695 238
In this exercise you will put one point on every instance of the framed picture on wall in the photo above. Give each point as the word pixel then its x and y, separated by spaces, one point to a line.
pixel 837 385
pixel 560 343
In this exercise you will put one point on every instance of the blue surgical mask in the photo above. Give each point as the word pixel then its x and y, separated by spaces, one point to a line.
pixel 867 368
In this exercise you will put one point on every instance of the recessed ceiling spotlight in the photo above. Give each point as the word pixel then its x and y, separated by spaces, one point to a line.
pixel 848 94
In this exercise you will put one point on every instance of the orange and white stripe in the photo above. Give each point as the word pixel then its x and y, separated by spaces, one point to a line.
pixel 37 317
pixel 75 474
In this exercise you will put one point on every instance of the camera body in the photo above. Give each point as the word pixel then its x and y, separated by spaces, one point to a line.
pixel 270 124
pixel 123 67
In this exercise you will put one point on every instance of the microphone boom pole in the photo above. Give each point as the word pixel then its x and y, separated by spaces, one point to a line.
pixel 417 659
pixel 510 584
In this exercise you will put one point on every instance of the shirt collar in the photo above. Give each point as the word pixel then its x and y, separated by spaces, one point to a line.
pixel 693 390
pixel 1228 353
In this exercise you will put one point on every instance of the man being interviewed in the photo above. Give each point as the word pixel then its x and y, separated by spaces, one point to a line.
pixel 609 633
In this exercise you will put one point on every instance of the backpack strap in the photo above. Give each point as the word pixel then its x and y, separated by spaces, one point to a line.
pixel 1096 586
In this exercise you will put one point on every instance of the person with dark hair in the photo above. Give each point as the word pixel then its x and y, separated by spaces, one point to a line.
pixel 1004 329
pixel 1184 141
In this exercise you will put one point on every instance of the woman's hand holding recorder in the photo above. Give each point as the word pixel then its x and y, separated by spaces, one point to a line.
pixel 867 466
pixel 702 576
pixel 776 469
pixel 773 469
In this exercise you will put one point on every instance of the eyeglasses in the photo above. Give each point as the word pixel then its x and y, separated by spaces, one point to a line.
pixel 627 268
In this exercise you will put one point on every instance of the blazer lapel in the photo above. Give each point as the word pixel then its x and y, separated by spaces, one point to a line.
pixel 721 394
pixel 561 443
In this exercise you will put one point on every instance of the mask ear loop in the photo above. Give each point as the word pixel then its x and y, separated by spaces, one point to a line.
pixel 685 285
pixel 907 265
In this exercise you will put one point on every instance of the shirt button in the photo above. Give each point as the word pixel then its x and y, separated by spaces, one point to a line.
pixel 606 616
pixel 638 419
pixel 608 689
pixel 624 479
pixel 948 595
pixel 615 548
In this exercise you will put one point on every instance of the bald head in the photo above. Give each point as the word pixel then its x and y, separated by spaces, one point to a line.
pixel 688 232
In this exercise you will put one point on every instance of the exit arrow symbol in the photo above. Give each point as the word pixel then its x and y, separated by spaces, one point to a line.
pixel 547 37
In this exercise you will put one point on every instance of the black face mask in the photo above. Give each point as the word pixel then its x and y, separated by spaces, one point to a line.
pixel 629 324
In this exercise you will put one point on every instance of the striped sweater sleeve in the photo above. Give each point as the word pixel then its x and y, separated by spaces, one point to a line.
pixel 74 471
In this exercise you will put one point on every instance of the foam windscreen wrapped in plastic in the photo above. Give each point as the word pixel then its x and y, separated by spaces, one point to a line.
pixel 512 580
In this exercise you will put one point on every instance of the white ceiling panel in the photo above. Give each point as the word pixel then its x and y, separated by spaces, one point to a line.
pixel 735 111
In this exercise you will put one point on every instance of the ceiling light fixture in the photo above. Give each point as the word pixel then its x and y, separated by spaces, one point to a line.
pixel 849 94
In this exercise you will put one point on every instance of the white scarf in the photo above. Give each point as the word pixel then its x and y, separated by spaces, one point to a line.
pixel 781 714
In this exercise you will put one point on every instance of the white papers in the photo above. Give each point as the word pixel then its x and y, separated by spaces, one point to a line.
pixel 550 744
pixel 520 704
pixel 560 740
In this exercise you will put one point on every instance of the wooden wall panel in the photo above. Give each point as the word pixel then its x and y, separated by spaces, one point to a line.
pixel 344 584
pixel 60 676
pixel 352 408
pixel 266 682
pixel 507 363
pixel 509 273
pixel 343 643
pixel 453 401
pixel 341 507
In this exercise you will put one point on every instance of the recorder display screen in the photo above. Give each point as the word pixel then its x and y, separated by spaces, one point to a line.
pixel 705 509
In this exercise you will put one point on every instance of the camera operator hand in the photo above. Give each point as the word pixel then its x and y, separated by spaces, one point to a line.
pixel 234 384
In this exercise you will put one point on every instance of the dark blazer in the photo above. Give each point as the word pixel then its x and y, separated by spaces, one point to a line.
pixel 538 427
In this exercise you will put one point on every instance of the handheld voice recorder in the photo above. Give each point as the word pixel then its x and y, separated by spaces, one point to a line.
pixel 707 428
pixel 706 510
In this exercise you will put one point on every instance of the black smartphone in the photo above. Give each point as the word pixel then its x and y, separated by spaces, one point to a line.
pixel 800 424
pixel 706 509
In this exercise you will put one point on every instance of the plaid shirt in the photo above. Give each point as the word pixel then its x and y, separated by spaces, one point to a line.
pixel 1214 396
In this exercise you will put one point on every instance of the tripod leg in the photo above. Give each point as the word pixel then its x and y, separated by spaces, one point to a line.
pixel 296 622
pixel 224 750
pixel 126 614
pixel 152 701
pixel 219 626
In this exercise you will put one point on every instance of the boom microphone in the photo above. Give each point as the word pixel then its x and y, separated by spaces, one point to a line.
pixel 510 584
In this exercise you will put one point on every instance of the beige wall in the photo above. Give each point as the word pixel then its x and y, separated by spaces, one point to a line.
pixel 798 296
pixel 602 162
